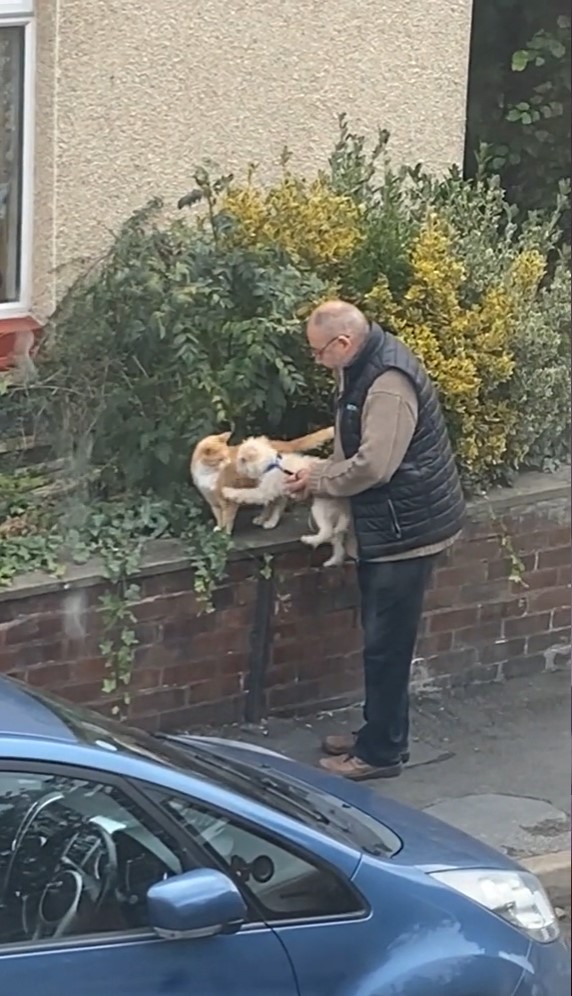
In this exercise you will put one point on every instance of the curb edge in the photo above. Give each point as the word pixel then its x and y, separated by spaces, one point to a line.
pixel 554 871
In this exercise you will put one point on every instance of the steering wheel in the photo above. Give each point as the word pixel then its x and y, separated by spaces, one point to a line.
pixel 83 876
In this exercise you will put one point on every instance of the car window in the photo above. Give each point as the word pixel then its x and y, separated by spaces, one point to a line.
pixel 76 857
pixel 282 884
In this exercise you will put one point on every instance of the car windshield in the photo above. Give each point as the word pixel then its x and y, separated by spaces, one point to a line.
pixel 261 783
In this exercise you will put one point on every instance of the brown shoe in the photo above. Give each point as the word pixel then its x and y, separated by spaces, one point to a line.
pixel 357 770
pixel 343 743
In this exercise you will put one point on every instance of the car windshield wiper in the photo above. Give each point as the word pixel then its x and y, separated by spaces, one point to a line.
pixel 248 777
pixel 325 810
pixel 296 799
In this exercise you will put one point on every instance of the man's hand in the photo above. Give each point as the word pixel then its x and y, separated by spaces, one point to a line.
pixel 297 486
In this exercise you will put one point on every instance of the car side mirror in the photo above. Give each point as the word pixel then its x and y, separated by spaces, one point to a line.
pixel 198 903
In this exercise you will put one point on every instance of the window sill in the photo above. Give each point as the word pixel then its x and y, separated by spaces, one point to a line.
pixel 18 337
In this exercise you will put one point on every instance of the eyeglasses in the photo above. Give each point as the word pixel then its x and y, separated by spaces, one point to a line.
pixel 318 353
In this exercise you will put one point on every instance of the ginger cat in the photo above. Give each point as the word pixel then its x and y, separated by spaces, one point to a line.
pixel 213 467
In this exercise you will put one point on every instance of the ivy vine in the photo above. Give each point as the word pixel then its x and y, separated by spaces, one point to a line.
pixel 36 535
pixel 516 566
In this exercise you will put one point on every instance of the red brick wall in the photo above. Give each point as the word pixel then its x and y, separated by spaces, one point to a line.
pixel 194 669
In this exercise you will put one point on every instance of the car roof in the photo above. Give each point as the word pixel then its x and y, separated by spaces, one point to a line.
pixel 24 715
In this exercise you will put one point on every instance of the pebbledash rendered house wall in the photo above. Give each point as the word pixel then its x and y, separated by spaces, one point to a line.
pixel 130 96
pixel 499 607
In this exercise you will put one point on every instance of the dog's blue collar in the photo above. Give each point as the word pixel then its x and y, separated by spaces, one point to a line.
pixel 276 464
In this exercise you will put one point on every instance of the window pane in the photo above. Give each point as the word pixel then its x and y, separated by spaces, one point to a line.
pixel 11 114
pixel 284 884
pixel 76 858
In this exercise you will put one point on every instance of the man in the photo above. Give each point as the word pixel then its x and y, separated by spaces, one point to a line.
pixel 393 460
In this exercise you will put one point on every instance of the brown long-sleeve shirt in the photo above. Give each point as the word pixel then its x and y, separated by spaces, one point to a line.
pixel 388 422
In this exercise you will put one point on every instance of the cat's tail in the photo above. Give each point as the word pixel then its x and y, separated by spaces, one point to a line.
pixel 304 444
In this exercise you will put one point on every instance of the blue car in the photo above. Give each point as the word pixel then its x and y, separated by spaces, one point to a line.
pixel 134 865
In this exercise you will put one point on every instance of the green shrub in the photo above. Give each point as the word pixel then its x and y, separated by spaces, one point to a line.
pixel 519 96
pixel 174 336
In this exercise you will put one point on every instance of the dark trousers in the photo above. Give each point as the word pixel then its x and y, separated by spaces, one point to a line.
pixel 391 606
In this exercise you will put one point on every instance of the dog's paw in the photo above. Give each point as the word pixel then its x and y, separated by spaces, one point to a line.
pixel 270 523
pixel 309 540
pixel 333 562
pixel 258 520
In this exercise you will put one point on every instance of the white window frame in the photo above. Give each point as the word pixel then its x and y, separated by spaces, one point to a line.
pixel 20 13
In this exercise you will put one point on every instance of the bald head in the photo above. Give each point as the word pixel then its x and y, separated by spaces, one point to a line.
pixel 336 331
pixel 339 318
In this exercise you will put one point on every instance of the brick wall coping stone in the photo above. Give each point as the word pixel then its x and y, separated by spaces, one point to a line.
pixel 167 555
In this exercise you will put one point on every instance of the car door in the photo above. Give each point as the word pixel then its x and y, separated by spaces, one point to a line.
pixel 78 852
pixel 323 921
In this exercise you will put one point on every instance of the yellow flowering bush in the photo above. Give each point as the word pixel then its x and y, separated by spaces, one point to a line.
pixel 312 223
pixel 466 349
pixel 435 261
